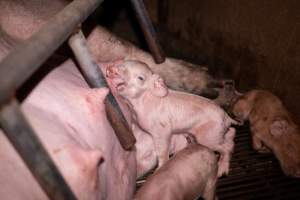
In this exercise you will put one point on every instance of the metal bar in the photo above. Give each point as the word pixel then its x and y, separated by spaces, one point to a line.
pixel 28 145
pixel 21 63
pixel 148 30
pixel 94 77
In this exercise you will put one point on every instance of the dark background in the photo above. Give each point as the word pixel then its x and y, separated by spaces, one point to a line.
pixel 257 42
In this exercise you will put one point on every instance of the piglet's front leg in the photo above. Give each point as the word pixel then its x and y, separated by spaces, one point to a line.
pixel 161 141
pixel 258 144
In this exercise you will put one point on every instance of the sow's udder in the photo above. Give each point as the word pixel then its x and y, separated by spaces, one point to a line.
pixel 70 120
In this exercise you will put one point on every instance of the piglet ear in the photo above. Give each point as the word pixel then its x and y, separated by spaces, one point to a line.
pixel 159 87
pixel 279 127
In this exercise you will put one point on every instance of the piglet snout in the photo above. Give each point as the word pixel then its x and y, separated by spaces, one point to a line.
pixel 112 72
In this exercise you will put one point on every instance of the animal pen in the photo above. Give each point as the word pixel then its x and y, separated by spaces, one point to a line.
pixel 252 175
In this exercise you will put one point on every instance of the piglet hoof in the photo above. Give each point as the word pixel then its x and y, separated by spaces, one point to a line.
pixel 228 83
pixel 223 169
pixel 258 145
pixel 159 166
pixel 264 149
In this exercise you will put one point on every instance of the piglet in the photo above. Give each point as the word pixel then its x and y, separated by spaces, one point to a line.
pixel 191 173
pixel 163 112
pixel 272 128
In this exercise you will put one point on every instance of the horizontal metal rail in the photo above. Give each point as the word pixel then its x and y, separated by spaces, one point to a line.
pixel 28 145
pixel 94 77
pixel 148 30
pixel 21 63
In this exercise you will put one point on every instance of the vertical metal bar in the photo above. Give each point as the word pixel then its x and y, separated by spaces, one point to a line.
pixel 28 145
pixel 148 30
pixel 94 77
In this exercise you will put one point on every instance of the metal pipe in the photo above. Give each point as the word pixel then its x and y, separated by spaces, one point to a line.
pixel 148 30
pixel 21 63
pixel 94 77
pixel 28 145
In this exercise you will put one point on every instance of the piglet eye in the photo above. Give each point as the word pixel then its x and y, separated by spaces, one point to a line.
pixel 141 78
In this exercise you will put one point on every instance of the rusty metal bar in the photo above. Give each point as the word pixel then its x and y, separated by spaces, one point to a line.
pixel 94 77
pixel 148 30
pixel 28 145
pixel 21 63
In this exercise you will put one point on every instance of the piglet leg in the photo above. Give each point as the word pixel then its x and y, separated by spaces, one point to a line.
pixel 258 144
pixel 145 155
pixel 210 189
pixel 226 150
pixel 162 143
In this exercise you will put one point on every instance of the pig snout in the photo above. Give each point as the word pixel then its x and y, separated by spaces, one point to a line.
pixel 112 72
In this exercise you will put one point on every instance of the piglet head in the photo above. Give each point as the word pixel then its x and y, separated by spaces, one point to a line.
pixel 134 78
pixel 227 94
pixel 241 109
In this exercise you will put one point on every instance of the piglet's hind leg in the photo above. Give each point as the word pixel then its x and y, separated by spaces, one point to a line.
pixel 226 150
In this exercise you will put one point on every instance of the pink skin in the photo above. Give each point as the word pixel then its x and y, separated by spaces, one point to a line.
pixel 272 128
pixel 163 112
pixel 191 173
pixel 69 117
pixel 70 120
pixel 146 157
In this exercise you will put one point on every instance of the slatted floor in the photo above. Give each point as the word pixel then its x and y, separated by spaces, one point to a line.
pixel 254 175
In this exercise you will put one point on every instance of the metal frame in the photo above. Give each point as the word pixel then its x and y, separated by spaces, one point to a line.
pixel 94 77
pixel 19 66
pixel 148 30
pixel 31 150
